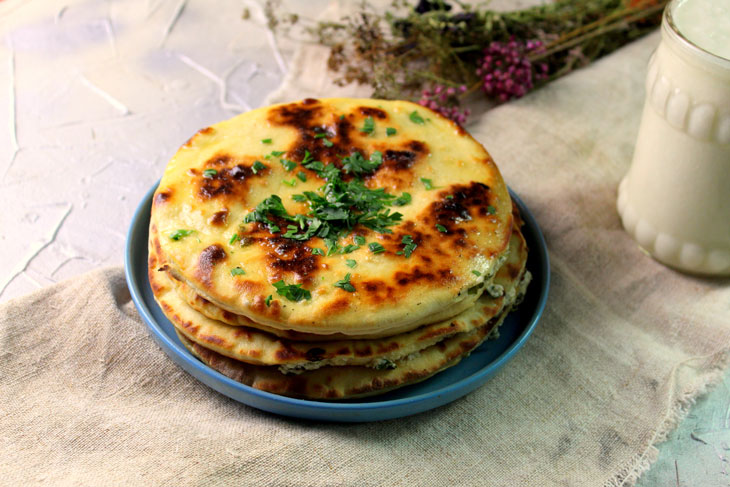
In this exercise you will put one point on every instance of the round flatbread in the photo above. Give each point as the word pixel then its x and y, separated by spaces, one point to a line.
pixel 347 382
pixel 251 345
pixel 286 215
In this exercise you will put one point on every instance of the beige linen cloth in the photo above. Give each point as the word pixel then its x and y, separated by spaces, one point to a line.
pixel 624 346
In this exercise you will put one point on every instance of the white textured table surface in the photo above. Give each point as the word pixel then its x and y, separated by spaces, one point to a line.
pixel 98 95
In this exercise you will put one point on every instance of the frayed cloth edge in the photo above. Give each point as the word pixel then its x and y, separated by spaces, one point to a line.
pixel 679 406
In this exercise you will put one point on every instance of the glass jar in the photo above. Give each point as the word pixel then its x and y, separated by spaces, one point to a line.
pixel 675 199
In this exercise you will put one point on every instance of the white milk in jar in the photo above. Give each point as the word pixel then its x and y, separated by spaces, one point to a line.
pixel 675 199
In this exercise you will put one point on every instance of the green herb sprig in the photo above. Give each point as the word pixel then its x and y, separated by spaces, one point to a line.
pixel 258 166
pixel 410 246
pixel 376 248
pixel 368 126
pixel 292 292
pixel 345 284
pixel 416 118
pixel 180 234
pixel 337 207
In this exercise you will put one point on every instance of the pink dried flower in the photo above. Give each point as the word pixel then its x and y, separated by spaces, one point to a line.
pixel 506 71
pixel 446 102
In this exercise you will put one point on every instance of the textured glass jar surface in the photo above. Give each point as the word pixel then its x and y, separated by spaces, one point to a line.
pixel 675 199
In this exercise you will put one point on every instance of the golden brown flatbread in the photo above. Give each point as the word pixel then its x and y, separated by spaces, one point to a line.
pixel 347 382
pixel 231 195
pixel 250 344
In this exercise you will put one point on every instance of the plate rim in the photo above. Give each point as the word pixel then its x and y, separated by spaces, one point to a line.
pixel 306 407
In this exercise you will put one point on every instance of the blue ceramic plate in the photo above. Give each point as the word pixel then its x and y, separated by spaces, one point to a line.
pixel 443 388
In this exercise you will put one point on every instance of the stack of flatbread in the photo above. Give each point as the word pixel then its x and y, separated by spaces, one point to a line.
pixel 334 248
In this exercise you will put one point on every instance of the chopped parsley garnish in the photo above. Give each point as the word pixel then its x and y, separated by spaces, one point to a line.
pixel 376 248
pixel 416 118
pixel 237 271
pixel 390 131
pixel 410 246
pixel 369 126
pixel 292 292
pixel 491 210
pixel 350 263
pixel 275 153
pixel 291 183
pixel 349 248
pixel 450 197
pixel 335 208
pixel 345 284
pixel 288 165
pixel 323 135
pixel 316 166
pixel 290 231
pixel 258 166
pixel 427 183
pixel 209 173
pixel 441 228
pixel 307 157
pixel 270 206
pixel 331 245
pixel 266 141
pixel 178 234
pixel 302 176
pixel 359 239
pixel 403 199
pixel 316 251
pixel 355 163
pixel 233 239
pixel 268 300
pixel 342 117
pixel 476 273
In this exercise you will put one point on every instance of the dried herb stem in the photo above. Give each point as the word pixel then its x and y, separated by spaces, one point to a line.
pixel 439 55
